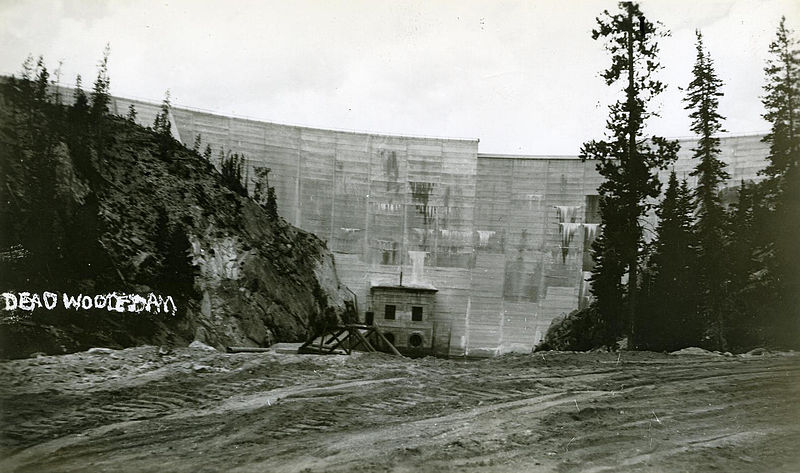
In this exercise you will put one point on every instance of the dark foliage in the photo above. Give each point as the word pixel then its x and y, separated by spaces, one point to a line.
pixel 579 331
pixel 747 318
pixel 94 204
pixel 198 142
pixel 627 161
pixel 101 96
pixel 131 116
pixel 81 105
pixel 177 272
pixel 162 124
pixel 702 98
pixel 668 317
pixel 57 232
pixel 232 169
pixel 780 215
pixel 263 194
pixel 272 205
pixel 53 173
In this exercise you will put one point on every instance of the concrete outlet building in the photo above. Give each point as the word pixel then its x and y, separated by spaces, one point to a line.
pixel 492 247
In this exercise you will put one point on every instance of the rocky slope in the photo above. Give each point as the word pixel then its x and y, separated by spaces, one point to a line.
pixel 120 208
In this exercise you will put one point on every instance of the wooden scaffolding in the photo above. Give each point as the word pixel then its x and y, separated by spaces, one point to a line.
pixel 343 339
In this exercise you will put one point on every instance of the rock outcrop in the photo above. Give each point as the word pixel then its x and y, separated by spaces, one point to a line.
pixel 139 213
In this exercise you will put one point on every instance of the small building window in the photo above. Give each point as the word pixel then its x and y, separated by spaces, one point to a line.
pixel 389 310
pixel 416 314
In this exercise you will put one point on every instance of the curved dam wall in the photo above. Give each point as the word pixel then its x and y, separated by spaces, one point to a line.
pixel 504 239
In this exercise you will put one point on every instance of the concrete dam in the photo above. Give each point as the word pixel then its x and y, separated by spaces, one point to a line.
pixel 446 248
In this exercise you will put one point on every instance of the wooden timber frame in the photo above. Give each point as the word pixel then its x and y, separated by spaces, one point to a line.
pixel 345 338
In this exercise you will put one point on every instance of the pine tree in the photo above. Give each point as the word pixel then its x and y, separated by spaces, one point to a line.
pixel 272 205
pixel 198 141
pixel 702 98
pixel 81 104
pixel 131 117
pixel 21 94
pixel 782 103
pixel 41 84
pixel 34 213
pixel 782 183
pixel 746 327
pixel 232 170
pixel 607 287
pixel 264 194
pixel 27 69
pixel 77 131
pixel 626 160
pixel 57 83
pixel 162 124
pixel 25 86
pixel 670 319
pixel 101 95
pixel 44 135
pixel 176 277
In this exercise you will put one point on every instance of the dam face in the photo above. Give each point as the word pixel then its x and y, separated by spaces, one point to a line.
pixel 505 240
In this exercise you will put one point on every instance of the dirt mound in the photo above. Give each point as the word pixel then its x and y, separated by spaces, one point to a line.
pixel 116 208
pixel 696 351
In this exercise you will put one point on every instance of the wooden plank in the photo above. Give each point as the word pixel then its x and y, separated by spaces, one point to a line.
pixel 338 342
pixel 366 343
pixel 385 340
pixel 247 349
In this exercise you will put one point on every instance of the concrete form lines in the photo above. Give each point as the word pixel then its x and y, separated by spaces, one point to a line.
pixel 298 201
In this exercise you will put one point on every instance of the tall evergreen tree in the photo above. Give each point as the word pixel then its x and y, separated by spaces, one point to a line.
pixel 607 286
pixel 40 95
pixel 27 69
pixel 782 184
pixel 81 104
pixel 782 103
pixel 198 142
pixel 131 117
pixel 626 159
pixel 702 98
pixel 24 87
pixel 57 83
pixel 745 285
pixel 272 205
pixel 161 124
pixel 669 320
pixel 101 95
pixel 44 132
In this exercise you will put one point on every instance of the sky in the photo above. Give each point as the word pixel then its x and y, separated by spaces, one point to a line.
pixel 521 76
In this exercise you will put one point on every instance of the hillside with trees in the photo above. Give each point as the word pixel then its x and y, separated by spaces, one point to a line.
pixel 95 204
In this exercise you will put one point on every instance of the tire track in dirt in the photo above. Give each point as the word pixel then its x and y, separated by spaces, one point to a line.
pixel 564 412
pixel 718 413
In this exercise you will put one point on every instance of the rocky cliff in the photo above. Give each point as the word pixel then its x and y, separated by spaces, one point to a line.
pixel 99 205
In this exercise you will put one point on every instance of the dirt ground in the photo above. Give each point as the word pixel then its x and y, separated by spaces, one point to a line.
pixel 193 410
